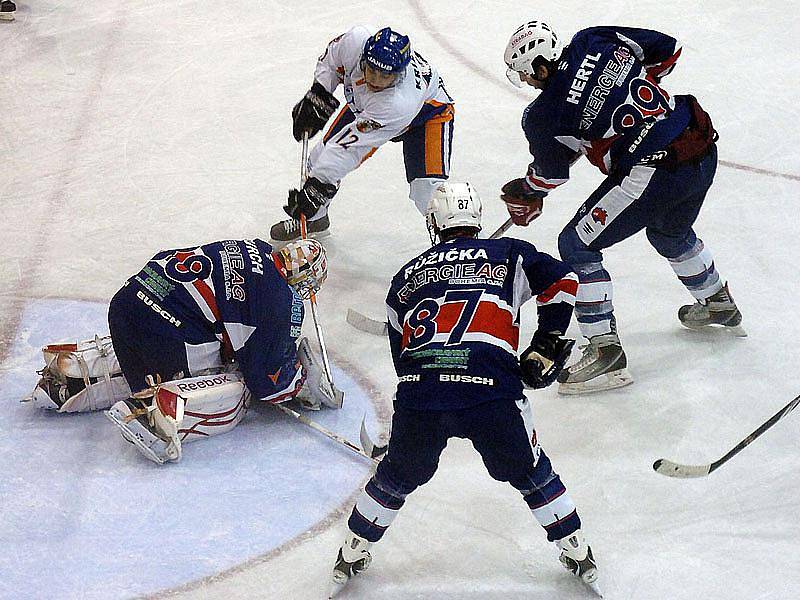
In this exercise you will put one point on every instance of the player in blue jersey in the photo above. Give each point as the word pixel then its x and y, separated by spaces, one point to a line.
pixel 601 96
pixel 453 316
pixel 194 335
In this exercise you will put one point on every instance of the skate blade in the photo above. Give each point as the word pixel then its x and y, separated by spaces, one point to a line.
pixel 607 381
pixel 6 16
pixel 130 437
pixel 594 587
pixel 737 330
pixel 337 586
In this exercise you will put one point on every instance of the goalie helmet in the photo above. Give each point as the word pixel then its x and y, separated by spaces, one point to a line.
pixel 304 265
pixel 453 205
pixel 533 44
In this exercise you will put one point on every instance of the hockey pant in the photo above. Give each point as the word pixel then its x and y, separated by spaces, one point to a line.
pixel 426 149
pixel 665 203
pixel 501 431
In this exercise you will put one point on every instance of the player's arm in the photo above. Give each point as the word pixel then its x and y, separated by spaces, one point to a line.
pixel 270 365
pixel 555 286
pixel 318 104
pixel 524 196
pixel 657 51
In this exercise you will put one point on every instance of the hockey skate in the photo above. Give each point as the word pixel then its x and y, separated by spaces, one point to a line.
pixel 602 367
pixel 131 417
pixel 287 231
pixel 353 558
pixel 576 556
pixel 720 309
pixel 7 10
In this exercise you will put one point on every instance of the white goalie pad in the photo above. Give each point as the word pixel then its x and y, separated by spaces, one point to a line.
pixel 317 390
pixel 158 421
pixel 80 377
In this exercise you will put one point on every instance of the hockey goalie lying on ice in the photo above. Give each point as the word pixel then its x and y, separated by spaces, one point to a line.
pixel 194 335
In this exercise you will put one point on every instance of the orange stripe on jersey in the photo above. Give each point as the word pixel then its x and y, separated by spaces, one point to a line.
pixel 368 154
pixel 333 125
pixel 434 153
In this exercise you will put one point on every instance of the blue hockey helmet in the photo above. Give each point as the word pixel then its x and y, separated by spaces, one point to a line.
pixel 387 51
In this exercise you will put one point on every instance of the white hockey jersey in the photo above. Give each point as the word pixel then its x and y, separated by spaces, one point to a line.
pixel 379 116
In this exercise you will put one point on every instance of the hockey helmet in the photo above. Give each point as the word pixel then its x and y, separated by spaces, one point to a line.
pixel 304 265
pixel 531 45
pixel 387 51
pixel 453 205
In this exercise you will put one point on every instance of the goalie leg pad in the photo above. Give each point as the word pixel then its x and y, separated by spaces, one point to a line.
pixel 317 389
pixel 79 377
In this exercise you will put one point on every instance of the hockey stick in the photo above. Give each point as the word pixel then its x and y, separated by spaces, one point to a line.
pixel 337 393
pixel 671 469
pixel 327 433
pixel 502 229
pixel 367 444
pixel 381 328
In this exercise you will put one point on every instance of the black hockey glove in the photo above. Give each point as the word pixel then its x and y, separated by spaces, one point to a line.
pixel 543 360
pixel 313 111
pixel 308 201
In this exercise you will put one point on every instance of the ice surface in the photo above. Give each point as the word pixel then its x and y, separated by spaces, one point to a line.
pixel 133 126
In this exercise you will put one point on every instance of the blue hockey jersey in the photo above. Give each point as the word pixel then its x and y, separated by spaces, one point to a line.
pixel 229 295
pixel 605 101
pixel 453 316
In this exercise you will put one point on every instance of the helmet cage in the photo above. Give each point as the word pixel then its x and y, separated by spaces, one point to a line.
pixel 304 265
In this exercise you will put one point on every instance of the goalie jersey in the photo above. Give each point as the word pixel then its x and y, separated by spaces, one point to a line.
pixel 453 316
pixel 604 101
pixel 227 302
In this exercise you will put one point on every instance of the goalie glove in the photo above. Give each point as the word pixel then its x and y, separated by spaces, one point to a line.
pixel 313 111
pixel 307 201
pixel 523 203
pixel 543 360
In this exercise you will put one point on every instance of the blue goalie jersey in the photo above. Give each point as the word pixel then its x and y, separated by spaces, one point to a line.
pixel 453 317
pixel 228 299
pixel 605 101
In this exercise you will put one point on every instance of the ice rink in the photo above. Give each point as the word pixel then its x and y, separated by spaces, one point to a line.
pixel 132 126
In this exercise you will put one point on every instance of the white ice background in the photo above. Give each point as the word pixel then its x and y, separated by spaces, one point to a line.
pixel 131 126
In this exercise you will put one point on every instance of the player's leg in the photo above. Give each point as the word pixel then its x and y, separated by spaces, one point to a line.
pixel 504 435
pixel 416 442
pixel 163 417
pixel 7 10
pixel 79 377
pixel 615 211
pixel 427 151
pixel 671 234
pixel 289 229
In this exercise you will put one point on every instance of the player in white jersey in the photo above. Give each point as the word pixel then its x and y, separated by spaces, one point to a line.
pixel 391 94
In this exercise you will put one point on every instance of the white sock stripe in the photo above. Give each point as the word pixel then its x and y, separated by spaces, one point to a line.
pixel 373 512
pixel 553 511
pixel 599 291
pixel 693 265
pixel 589 330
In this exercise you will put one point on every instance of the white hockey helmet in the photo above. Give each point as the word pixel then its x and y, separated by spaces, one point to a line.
pixel 304 265
pixel 453 205
pixel 534 39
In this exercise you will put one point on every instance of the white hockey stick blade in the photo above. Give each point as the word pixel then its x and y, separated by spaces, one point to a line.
pixel 367 324
pixel 671 469
pixel 367 444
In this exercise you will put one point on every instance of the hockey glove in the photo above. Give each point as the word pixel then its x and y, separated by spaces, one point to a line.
pixel 523 203
pixel 307 201
pixel 543 360
pixel 313 111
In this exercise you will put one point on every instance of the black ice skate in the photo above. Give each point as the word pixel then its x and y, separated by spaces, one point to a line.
pixel 719 309
pixel 287 231
pixel 602 367
pixel 7 10
pixel 353 558
pixel 576 556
